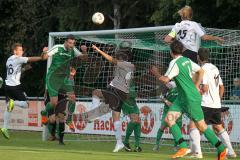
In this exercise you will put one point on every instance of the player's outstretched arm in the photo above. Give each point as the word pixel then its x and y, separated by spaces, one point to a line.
pixel 34 59
pixel 212 38
pixel 164 79
pixel 105 55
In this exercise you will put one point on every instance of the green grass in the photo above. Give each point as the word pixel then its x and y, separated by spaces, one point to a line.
pixel 28 146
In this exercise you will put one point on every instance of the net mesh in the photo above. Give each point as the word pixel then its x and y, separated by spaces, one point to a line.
pixel 147 49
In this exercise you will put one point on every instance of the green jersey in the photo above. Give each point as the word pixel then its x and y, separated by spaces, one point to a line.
pixel 61 59
pixel 181 69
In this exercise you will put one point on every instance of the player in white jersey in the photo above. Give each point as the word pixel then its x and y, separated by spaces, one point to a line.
pixel 212 91
pixel 189 33
pixel 15 96
pixel 118 91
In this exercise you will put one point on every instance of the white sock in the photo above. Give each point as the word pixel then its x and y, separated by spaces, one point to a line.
pixel 117 131
pixel 21 104
pixel 6 117
pixel 95 101
pixel 195 140
pixel 223 135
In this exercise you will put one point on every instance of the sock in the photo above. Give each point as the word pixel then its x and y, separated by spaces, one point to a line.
pixel 52 128
pixel 195 138
pixel 61 128
pixel 95 101
pixel 130 128
pixel 176 132
pixel 48 107
pixel 117 131
pixel 211 137
pixel 21 104
pixel 6 117
pixel 137 134
pixel 223 135
pixel 71 109
pixel 159 136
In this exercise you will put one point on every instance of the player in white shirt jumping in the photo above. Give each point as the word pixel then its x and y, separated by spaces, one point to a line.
pixel 212 91
pixel 15 96
pixel 189 33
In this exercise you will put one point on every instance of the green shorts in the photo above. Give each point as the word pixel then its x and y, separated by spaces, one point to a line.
pixel 130 106
pixel 56 83
pixel 192 109
pixel 164 114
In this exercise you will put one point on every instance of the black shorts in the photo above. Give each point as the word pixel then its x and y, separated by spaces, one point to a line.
pixel 115 98
pixel 15 93
pixel 191 55
pixel 212 115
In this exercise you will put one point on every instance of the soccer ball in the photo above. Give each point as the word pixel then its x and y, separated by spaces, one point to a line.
pixel 98 18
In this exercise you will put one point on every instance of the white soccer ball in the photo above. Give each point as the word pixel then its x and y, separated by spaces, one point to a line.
pixel 98 18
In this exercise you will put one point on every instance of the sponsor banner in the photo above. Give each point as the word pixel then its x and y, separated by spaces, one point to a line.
pixel 150 114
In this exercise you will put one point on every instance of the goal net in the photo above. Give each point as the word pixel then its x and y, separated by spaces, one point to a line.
pixel 147 49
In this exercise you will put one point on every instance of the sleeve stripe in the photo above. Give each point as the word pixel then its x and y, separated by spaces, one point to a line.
pixel 170 69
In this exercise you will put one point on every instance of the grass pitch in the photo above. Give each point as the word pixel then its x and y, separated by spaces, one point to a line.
pixel 28 146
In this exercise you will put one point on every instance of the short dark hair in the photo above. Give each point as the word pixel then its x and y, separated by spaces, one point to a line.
pixel 15 45
pixel 123 55
pixel 203 54
pixel 70 36
pixel 176 47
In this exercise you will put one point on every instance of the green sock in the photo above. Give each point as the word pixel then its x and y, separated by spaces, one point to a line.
pixel 61 128
pixel 159 136
pixel 137 134
pixel 212 138
pixel 49 106
pixel 130 128
pixel 177 134
pixel 52 128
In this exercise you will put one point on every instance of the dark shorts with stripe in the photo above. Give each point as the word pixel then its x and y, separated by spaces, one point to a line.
pixel 212 115
pixel 115 98
pixel 15 93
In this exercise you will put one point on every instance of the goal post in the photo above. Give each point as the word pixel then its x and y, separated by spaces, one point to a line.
pixel 148 49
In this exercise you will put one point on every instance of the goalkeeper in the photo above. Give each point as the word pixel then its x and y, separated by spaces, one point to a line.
pixel 168 99
pixel 131 109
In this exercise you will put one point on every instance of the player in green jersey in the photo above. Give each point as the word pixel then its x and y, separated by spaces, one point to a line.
pixel 58 76
pixel 188 100
pixel 167 99
pixel 131 109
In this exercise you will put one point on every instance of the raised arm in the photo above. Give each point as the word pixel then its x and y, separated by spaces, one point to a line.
pixel 105 55
pixel 212 38
pixel 34 59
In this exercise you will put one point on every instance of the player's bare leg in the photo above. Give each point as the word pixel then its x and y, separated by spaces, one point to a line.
pixel 170 119
pixel 117 131
pixel 223 135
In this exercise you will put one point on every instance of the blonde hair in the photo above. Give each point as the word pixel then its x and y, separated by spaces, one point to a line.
pixel 186 13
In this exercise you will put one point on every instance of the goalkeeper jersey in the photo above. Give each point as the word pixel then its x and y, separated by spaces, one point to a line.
pixel 189 33
pixel 181 69
pixel 123 75
pixel 61 59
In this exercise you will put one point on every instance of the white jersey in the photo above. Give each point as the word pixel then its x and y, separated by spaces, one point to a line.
pixel 14 70
pixel 189 33
pixel 211 78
